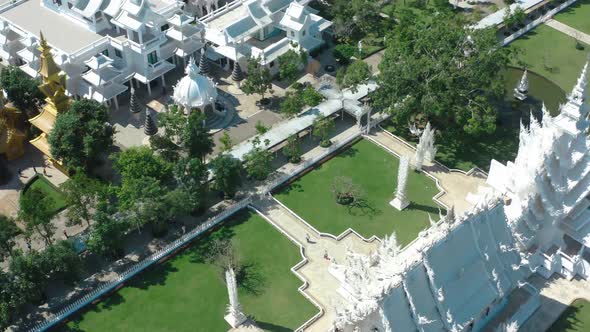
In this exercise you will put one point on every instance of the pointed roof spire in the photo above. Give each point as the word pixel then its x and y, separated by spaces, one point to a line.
pixel 150 127
pixel 48 66
pixel 204 63
pixel 191 69
pixel 575 107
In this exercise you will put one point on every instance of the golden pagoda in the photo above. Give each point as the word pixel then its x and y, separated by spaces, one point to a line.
pixel 11 138
pixel 56 101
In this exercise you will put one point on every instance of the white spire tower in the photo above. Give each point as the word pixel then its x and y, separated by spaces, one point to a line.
pixel 400 201
pixel 425 150
pixel 521 91
pixel 235 317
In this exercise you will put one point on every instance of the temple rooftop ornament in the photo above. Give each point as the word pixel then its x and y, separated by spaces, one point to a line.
pixel 521 91
pixel 194 90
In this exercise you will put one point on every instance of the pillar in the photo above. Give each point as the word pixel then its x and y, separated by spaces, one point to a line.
pixel 149 88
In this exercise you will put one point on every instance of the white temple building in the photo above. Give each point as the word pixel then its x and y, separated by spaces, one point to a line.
pixel 195 91
pixel 143 40
pixel 459 275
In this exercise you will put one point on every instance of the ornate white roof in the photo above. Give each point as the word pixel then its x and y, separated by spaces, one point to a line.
pixel 194 89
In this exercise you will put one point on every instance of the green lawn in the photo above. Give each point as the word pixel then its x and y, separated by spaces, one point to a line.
pixel 186 294
pixel 552 54
pixel 576 16
pixel 41 183
pixel 375 171
pixel 575 318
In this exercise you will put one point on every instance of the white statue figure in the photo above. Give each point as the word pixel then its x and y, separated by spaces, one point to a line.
pixel 235 317
pixel 400 201
pixel 425 150
pixel 360 47
pixel 520 92
pixel 415 130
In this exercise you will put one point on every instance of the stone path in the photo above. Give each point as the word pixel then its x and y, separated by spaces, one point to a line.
pixel 456 184
pixel 583 37
pixel 557 294
pixel 322 285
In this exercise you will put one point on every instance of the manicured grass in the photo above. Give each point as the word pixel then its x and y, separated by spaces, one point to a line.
pixel 41 183
pixel 552 54
pixel 576 16
pixel 187 294
pixel 375 171
pixel 575 318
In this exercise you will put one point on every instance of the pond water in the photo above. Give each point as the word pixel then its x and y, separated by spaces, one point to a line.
pixel 541 90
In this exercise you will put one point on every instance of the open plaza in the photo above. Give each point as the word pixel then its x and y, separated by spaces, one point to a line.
pixel 283 165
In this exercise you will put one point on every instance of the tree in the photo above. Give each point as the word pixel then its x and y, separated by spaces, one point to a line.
pixel 261 128
pixel 226 142
pixel 107 234
pixel 191 176
pixel 259 80
pixel 258 162
pixel 227 172
pixel 222 253
pixel 195 136
pixel 173 121
pixel 81 135
pixel 61 261
pixel 81 195
pixel 322 127
pixel 165 147
pixel 292 105
pixel 289 65
pixel 139 162
pixel 21 89
pixel 345 191
pixel 36 212
pixel 311 97
pixel 292 149
pixel 440 71
pixel 8 232
pixel 357 73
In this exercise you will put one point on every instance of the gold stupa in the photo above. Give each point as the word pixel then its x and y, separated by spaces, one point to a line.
pixel 11 138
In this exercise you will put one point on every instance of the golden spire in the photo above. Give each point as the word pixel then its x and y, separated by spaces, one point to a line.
pixel 54 83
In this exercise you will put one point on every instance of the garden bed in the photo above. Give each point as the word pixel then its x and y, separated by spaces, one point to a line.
pixel 48 189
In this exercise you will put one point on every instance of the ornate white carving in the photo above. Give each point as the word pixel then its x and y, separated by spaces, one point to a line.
pixel 235 317
pixel 401 201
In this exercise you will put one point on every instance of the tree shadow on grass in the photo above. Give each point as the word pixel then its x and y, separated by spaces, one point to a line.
pixel 568 320
pixel 271 327
pixel 364 208
pixel 426 208
pixel 199 251
pixel 251 278
pixel 156 275
pixel 293 187
pixel 348 153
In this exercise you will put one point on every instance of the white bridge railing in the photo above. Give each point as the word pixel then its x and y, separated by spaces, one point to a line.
pixel 169 249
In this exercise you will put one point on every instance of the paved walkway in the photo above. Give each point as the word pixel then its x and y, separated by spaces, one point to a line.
pixel 322 285
pixel 456 184
pixel 581 36
pixel 556 295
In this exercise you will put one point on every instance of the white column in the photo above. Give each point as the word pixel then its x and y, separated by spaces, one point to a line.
pixel 163 80
pixel 235 317
pixel 149 88
pixel 116 103
pixel 401 201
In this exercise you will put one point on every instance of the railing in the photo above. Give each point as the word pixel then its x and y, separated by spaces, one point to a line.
pixel 10 4
pixel 139 267
pixel 536 22
pixel 221 10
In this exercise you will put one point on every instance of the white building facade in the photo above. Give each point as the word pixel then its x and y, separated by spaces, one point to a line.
pixel 104 45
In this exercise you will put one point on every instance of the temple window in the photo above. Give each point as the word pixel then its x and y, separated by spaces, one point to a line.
pixel 152 57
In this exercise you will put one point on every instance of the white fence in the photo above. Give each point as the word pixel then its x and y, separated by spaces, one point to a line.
pixel 536 22
pixel 139 267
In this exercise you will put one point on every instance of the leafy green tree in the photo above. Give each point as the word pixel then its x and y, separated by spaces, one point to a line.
pixel 10 299
pixel 293 149
pixel 357 73
pixel 36 212
pixel 61 261
pixel 165 147
pixel 439 71
pixel 261 128
pixel 21 89
pixel 322 127
pixel 292 105
pixel 138 162
pixel 289 65
pixel 191 176
pixel 81 135
pixel 8 232
pixel 227 172
pixel 81 195
pixel 30 273
pixel 311 97
pixel 107 235
pixel 172 122
pixel 195 136
pixel 259 80
pixel 226 142
pixel 258 161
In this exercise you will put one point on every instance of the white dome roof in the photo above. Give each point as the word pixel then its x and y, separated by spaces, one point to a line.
pixel 194 90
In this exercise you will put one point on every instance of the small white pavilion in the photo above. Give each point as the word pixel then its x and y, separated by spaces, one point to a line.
pixel 195 91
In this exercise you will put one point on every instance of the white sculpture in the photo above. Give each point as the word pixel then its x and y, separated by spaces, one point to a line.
pixel 235 317
pixel 425 150
pixel 520 92
pixel 401 201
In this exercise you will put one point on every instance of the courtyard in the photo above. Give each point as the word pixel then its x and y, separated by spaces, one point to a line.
pixel 188 294
pixel 374 170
